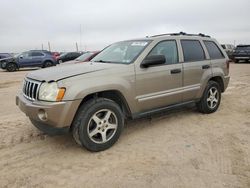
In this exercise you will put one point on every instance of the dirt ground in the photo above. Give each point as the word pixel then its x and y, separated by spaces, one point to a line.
pixel 179 149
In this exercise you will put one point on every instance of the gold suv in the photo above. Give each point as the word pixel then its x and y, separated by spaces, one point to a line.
pixel 128 79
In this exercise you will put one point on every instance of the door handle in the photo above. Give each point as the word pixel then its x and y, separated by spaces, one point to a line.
pixel 175 71
pixel 205 66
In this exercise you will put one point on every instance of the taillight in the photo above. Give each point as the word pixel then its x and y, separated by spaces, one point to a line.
pixel 54 57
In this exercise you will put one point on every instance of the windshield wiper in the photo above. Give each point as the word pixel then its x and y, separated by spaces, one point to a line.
pixel 102 61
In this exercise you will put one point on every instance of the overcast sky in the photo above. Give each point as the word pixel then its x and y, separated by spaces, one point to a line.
pixel 27 24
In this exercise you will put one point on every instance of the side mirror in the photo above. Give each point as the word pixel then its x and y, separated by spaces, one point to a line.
pixel 153 60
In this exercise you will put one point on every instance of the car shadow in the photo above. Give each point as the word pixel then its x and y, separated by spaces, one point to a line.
pixel 20 70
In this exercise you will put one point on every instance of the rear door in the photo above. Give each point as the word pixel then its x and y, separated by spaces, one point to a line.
pixel 196 68
pixel 217 58
pixel 160 85
pixel 37 58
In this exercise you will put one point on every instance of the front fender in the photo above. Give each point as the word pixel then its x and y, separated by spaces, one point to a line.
pixel 79 87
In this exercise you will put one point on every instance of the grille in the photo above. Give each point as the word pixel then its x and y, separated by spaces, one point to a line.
pixel 31 89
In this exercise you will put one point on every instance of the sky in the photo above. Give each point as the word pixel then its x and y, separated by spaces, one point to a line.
pixel 94 24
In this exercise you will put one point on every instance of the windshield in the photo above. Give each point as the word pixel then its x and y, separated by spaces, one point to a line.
pixel 121 52
pixel 84 56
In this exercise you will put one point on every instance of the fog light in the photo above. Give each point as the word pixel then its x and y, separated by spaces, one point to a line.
pixel 42 115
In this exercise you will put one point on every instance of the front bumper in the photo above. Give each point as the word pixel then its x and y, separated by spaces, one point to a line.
pixel 53 115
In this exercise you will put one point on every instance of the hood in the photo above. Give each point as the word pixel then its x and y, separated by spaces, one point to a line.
pixel 7 58
pixel 69 70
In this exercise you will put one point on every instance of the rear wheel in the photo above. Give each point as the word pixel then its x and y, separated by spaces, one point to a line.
pixel 11 67
pixel 210 100
pixel 47 64
pixel 98 124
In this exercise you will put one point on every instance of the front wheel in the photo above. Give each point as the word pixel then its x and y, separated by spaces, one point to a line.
pixel 11 67
pixel 98 124
pixel 211 98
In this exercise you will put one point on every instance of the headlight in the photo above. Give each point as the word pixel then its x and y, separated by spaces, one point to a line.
pixel 51 92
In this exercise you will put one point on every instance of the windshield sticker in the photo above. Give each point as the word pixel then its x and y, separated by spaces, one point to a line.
pixel 139 44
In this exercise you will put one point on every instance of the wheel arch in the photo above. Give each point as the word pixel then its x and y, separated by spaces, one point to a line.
pixel 219 80
pixel 113 95
pixel 47 60
pixel 12 62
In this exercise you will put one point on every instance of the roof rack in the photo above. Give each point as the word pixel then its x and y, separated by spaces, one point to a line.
pixel 181 33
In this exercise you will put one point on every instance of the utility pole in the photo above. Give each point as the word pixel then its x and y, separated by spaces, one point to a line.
pixel 80 36
pixel 76 47
pixel 49 46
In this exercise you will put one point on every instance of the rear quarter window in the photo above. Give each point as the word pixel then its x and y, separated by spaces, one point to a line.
pixel 213 50
pixel 192 50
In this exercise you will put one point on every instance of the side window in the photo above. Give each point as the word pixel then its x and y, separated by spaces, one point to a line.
pixel 213 50
pixel 192 50
pixel 36 54
pixel 25 54
pixel 75 55
pixel 168 49
pixel 69 55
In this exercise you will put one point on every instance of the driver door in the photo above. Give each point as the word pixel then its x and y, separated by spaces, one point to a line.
pixel 160 85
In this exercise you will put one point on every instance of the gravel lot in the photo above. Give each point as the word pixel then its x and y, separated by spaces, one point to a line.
pixel 180 149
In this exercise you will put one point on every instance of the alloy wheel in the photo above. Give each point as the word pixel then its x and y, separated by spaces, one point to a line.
pixel 102 126
pixel 213 97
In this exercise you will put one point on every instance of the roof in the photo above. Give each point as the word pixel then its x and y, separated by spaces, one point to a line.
pixel 173 35
pixel 181 34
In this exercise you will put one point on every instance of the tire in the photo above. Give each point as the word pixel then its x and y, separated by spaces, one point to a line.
pixel 3 64
pixel 210 101
pixel 236 61
pixel 98 124
pixel 11 67
pixel 47 64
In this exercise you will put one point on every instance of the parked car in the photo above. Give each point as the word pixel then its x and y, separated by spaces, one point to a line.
pixel 127 80
pixel 5 55
pixel 241 52
pixel 229 48
pixel 68 56
pixel 3 58
pixel 85 57
pixel 32 58
pixel 56 55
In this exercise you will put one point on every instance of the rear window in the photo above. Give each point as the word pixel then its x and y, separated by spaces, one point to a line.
pixel 213 50
pixel 192 50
